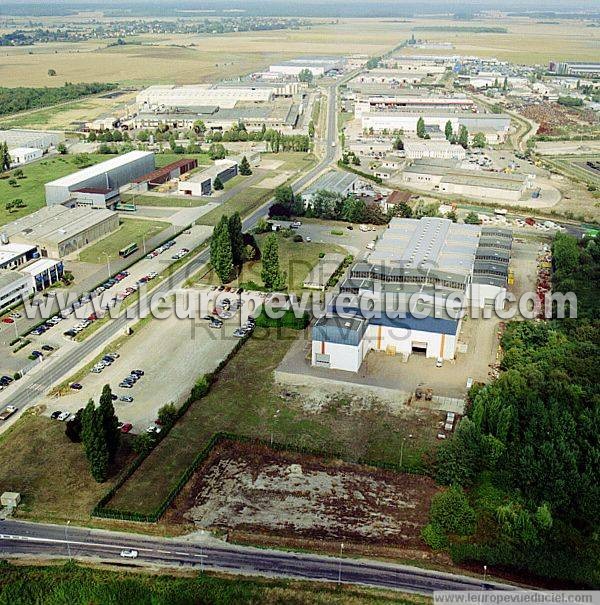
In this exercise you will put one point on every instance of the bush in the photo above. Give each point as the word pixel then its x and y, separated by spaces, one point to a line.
pixel 451 512
pixel 434 536
pixel 289 320
pixel 298 238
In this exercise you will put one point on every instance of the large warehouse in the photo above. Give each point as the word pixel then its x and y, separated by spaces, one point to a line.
pixel 318 66
pixel 202 183
pixel 37 139
pixel 109 176
pixel 446 177
pixel 59 231
pixel 433 257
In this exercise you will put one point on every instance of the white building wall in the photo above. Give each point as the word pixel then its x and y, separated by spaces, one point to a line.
pixel 23 155
pixel 379 338
pixel 341 357
pixel 479 191
pixel 12 293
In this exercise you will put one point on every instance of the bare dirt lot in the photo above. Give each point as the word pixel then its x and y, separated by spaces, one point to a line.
pixel 253 488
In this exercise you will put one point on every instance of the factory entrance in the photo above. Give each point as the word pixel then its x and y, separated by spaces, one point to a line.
pixel 419 348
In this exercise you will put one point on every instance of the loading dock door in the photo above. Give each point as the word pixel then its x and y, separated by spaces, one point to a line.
pixel 419 348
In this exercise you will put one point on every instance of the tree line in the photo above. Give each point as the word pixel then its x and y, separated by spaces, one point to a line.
pixel 13 100
pixel 528 450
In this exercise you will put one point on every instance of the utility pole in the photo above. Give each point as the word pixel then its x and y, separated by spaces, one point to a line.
pixel 107 263
pixel 340 564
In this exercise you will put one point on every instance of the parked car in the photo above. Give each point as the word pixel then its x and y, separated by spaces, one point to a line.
pixel 126 399
pixel 76 386
pixel 127 426
pixel 154 429
pixel 47 348
pixel 129 554
pixel 126 385
pixel 55 414
pixel 63 416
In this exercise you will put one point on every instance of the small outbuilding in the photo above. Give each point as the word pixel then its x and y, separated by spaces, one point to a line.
pixel 10 499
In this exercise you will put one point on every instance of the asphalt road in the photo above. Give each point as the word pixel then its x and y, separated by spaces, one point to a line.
pixel 18 538
pixel 60 368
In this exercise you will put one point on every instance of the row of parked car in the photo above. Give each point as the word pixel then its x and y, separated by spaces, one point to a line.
pixel 129 381
pixel 106 361
pixel 166 246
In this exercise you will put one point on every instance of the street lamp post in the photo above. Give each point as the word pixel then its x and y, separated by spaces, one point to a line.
pixel 107 263
pixel 484 573
pixel 67 539
pixel 340 564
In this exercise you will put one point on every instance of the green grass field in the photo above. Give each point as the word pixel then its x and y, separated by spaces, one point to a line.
pixel 295 258
pixel 75 584
pixel 31 188
pixel 130 230
pixel 244 400
pixel 165 201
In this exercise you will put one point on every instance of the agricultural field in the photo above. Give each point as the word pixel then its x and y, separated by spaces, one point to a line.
pixel 295 258
pixel 30 188
pixel 245 400
pixel 129 231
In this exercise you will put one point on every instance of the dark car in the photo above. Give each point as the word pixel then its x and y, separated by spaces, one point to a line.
pixel 76 386
pixel 126 427
pixel 350 227
pixel 55 414
pixel 47 348
pixel 113 397
pixel 37 353
pixel 70 333
pixel 137 372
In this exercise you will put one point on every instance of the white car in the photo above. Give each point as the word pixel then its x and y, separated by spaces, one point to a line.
pixel 129 554
pixel 63 416
pixel 439 362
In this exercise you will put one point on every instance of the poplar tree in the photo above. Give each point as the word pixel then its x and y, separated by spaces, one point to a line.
pixel 94 442
pixel 236 238
pixel 221 256
pixel 271 274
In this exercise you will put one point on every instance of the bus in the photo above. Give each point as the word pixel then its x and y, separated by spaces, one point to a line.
pixel 128 250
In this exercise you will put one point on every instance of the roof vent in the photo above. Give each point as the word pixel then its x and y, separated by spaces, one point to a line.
pixel 347 324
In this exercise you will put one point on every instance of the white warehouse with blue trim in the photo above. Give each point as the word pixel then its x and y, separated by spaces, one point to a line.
pixel 442 265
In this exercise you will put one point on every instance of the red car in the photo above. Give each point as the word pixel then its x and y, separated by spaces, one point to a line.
pixel 126 427
pixel 8 320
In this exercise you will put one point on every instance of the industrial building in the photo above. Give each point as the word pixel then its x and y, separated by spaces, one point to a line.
pixel 439 150
pixel 319 66
pixel 14 287
pixel 59 231
pixel 37 139
pixel 24 155
pixel 202 183
pixel 166 173
pixel 342 183
pixel 434 258
pixel 446 177
pixel 13 256
pixel 43 273
pixel 108 176
pixel 494 126
pixel 575 68
pixel 365 104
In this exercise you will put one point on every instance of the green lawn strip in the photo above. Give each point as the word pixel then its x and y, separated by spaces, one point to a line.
pixel 170 201
pixel 131 230
pixel 31 188
pixel 244 400
pixel 76 583
pixel 244 202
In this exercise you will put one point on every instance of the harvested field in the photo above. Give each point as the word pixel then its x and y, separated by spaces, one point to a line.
pixel 251 488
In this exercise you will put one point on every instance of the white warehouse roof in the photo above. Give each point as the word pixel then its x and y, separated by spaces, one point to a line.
pixel 98 169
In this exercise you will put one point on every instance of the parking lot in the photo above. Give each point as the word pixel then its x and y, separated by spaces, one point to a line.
pixel 172 353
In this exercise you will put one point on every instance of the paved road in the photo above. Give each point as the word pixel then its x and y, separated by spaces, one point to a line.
pixel 62 367
pixel 18 538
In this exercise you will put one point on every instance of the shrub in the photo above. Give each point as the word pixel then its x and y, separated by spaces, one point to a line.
pixel 434 536
pixel 289 320
pixel 451 512
pixel 298 238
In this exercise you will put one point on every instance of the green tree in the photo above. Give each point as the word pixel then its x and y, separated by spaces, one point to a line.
pixel 62 149
pixel 74 427
pixel 109 421
pixel 5 159
pixel 272 276
pixel 245 169
pixel 421 127
pixel 199 127
pixel 143 443
pixel 221 256
pixel 167 415
pixel 94 442
pixel 91 136
pixel 472 219
pixel 463 137
pixel 217 151
pixel 51 72
pixel 353 209
pixel 218 184
pixel 305 75
pixel 450 510
pixel 236 237
pixel 311 129
pixel 398 144
pixel 448 130
pixel 479 140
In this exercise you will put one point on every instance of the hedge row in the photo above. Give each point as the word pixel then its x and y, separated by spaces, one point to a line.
pixel 365 175
pixel 289 320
